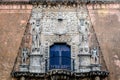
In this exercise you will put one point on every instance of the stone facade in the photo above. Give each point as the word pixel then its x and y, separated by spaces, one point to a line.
pixel 101 13
pixel 73 29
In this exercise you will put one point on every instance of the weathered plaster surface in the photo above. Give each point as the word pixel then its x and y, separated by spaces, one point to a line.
pixel 13 21
pixel 106 22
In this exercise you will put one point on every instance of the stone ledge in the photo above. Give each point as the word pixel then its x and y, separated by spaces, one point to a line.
pixel 92 73
pixel 102 74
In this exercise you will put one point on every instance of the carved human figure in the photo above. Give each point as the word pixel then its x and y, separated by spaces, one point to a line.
pixel 36 35
pixel 95 55
pixel 38 31
pixel 83 30
pixel 24 55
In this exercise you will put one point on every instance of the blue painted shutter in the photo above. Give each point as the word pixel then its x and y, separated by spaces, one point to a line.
pixel 66 60
pixel 60 57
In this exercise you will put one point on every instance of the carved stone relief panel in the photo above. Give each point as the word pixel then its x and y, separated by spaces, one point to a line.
pixel 58 25
pixel 83 27
pixel 36 57
pixel 84 33
pixel 68 24
pixel 56 38
pixel 84 63
pixel 34 64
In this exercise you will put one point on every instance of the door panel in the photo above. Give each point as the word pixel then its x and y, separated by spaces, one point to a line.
pixel 66 60
pixel 54 57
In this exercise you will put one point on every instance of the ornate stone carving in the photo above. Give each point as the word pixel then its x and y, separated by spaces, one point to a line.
pixel 57 38
pixel 83 29
pixel 36 56
pixel 35 29
pixel 24 55
pixel 52 25
pixel 95 56
pixel 83 26
pixel 57 25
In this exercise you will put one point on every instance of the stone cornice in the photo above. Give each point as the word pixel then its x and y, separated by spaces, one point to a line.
pixel 57 1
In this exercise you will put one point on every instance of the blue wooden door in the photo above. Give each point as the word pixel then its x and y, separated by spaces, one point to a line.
pixel 60 57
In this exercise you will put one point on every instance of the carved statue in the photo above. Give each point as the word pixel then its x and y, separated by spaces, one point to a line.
pixel 95 55
pixel 36 35
pixel 84 31
pixel 24 55
pixel 33 41
pixel 36 40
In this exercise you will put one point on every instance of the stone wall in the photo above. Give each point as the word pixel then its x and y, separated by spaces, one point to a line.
pixel 13 20
pixel 106 22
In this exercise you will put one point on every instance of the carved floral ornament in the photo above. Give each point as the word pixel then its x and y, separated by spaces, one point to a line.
pixel 39 12
pixel 57 38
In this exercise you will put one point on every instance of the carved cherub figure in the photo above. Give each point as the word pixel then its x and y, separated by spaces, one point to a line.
pixel 95 55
